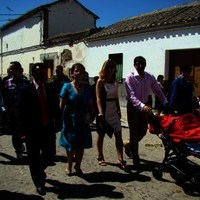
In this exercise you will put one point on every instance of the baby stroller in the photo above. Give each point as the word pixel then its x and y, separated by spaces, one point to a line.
pixel 180 136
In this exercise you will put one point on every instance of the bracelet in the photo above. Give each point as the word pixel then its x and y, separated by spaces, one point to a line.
pixel 100 114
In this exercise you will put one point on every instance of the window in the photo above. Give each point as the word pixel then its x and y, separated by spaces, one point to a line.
pixel 118 58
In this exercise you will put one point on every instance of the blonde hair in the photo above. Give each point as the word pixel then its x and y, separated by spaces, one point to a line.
pixel 105 69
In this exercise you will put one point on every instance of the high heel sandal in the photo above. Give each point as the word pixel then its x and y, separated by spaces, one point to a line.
pixel 101 161
pixel 68 172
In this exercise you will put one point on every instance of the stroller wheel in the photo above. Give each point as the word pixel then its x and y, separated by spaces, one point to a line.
pixel 178 176
pixel 158 172
pixel 192 187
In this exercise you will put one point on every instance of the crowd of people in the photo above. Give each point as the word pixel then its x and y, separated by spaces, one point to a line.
pixel 37 109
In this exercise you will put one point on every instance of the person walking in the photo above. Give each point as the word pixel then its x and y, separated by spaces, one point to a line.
pixel 36 113
pixel 10 93
pixel 59 78
pixel 58 81
pixel 139 85
pixel 109 110
pixel 182 92
pixel 158 103
pixel 78 112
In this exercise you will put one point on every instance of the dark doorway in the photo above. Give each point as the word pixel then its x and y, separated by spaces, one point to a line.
pixel 118 58
pixel 185 57
pixel 49 65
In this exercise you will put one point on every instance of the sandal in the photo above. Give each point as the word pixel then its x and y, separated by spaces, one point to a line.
pixel 101 161
pixel 122 164
pixel 68 172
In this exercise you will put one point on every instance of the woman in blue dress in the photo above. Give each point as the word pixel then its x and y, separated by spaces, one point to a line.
pixel 78 112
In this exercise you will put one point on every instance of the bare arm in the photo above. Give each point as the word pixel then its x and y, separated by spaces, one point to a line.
pixel 62 103
pixel 100 84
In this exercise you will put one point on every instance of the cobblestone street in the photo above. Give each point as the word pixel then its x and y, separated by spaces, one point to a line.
pixel 99 182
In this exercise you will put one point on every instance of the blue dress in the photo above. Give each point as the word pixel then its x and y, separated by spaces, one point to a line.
pixel 75 134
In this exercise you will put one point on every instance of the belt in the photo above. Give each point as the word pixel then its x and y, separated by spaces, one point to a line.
pixel 111 99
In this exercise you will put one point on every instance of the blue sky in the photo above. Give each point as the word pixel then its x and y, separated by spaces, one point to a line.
pixel 109 11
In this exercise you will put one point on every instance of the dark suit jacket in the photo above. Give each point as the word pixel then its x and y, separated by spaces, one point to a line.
pixel 29 109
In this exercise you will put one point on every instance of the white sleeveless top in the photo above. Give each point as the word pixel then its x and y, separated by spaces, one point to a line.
pixel 111 115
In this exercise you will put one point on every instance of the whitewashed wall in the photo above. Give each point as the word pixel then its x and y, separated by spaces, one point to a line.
pixel 152 46
pixel 23 41
pixel 22 35
pixel 69 17
pixel 78 55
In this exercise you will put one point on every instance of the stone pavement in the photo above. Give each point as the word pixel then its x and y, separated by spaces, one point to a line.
pixel 99 182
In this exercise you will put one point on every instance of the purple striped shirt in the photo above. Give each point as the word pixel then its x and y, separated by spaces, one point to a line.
pixel 139 88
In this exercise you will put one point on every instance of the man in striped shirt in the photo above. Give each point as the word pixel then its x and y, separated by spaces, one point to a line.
pixel 139 85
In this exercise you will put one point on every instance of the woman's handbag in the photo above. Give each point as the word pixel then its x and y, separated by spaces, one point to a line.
pixel 105 127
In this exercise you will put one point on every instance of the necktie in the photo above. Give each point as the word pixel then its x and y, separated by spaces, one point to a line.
pixel 43 105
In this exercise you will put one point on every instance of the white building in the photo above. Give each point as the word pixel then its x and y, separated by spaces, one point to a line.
pixel 49 34
pixel 65 32
pixel 167 39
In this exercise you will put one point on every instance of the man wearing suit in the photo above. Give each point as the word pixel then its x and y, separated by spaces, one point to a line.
pixel 36 115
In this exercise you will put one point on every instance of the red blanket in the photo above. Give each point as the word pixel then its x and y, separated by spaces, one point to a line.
pixel 184 128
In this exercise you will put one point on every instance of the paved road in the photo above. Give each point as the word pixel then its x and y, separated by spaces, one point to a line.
pixel 99 182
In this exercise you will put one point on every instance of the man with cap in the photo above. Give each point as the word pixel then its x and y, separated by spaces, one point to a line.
pixel 182 92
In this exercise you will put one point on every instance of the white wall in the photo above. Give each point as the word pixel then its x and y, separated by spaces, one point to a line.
pixel 64 17
pixel 24 34
pixel 152 46
pixel 78 53
pixel 69 17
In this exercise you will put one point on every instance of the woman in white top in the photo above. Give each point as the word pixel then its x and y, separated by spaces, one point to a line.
pixel 109 110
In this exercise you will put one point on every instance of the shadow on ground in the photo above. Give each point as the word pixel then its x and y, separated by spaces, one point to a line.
pixel 12 160
pixel 83 191
pixel 4 194
pixel 114 177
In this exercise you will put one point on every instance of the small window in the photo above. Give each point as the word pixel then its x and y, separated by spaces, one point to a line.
pixel 118 58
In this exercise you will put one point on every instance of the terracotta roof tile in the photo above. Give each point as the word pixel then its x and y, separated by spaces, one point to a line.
pixel 174 17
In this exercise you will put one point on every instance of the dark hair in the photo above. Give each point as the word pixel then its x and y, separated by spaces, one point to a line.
pixel 185 68
pixel 160 77
pixel 59 67
pixel 96 78
pixel 140 59
pixel 78 65
pixel 15 66
pixel 37 67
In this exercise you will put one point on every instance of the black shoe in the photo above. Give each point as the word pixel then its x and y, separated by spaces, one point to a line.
pixel 19 156
pixel 41 190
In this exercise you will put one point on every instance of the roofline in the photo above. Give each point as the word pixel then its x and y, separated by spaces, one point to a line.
pixel 114 30
pixel 141 31
pixel 39 9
